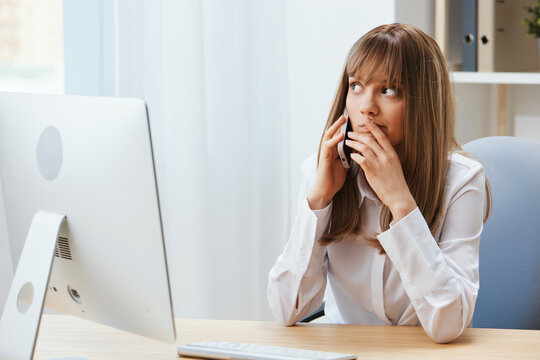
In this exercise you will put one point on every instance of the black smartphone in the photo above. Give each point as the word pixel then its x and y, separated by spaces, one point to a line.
pixel 343 150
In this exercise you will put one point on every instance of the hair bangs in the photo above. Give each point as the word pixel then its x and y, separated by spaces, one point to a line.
pixel 377 54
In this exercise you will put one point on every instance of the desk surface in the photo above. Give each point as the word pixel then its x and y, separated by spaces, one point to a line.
pixel 69 336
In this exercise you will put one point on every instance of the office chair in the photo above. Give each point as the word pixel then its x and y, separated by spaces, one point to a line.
pixel 314 315
pixel 509 295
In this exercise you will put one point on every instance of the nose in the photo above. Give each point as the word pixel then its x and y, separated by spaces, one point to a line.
pixel 368 105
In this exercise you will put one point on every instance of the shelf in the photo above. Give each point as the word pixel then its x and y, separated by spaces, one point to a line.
pixel 512 78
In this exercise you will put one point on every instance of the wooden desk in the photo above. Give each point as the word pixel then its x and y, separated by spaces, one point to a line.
pixel 69 336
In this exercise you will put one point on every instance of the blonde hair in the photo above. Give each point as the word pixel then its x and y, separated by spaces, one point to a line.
pixel 413 60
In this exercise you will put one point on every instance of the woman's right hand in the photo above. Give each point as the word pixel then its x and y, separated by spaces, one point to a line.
pixel 331 173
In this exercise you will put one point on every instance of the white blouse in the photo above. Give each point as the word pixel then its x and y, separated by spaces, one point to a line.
pixel 422 279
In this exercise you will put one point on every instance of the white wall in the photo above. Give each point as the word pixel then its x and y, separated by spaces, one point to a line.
pixel 419 13
pixel 525 111
pixel 319 36
pixel 476 111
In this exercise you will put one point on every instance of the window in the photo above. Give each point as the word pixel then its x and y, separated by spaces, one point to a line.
pixel 31 46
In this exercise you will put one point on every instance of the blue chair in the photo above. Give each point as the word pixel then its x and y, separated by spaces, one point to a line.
pixel 314 315
pixel 509 295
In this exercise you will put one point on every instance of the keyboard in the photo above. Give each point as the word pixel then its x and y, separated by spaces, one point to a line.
pixel 233 350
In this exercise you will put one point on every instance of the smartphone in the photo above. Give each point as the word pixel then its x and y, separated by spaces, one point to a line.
pixel 343 150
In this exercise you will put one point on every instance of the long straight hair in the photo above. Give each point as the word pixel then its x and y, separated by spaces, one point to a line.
pixel 412 59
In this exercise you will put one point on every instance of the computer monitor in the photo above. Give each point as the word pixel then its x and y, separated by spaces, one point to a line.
pixel 78 182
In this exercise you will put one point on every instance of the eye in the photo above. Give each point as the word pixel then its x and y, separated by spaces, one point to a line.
pixel 356 87
pixel 388 91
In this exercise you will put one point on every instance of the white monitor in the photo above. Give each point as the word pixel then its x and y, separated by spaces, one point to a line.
pixel 78 182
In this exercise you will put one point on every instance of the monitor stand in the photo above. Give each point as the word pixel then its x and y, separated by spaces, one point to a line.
pixel 20 320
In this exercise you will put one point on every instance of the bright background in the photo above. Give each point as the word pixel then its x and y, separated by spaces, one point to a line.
pixel 238 94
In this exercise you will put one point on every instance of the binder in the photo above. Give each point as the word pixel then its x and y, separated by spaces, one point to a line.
pixel 501 43
pixel 468 34
pixel 448 16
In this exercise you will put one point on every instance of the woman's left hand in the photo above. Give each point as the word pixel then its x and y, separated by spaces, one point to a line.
pixel 383 170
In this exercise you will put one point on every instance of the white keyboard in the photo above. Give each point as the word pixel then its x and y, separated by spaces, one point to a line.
pixel 232 350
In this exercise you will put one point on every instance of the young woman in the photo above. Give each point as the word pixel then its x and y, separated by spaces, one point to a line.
pixel 396 235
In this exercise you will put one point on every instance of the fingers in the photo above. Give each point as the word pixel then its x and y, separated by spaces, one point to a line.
pixel 364 149
pixel 382 139
pixel 335 140
pixel 368 140
pixel 335 126
pixel 330 146
pixel 359 159
pixel 363 160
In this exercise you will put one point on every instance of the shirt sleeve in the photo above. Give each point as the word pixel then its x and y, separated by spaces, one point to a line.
pixel 297 281
pixel 441 278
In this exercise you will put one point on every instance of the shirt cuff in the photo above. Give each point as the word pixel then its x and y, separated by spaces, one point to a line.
pixel 415 254
pixel 394 222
